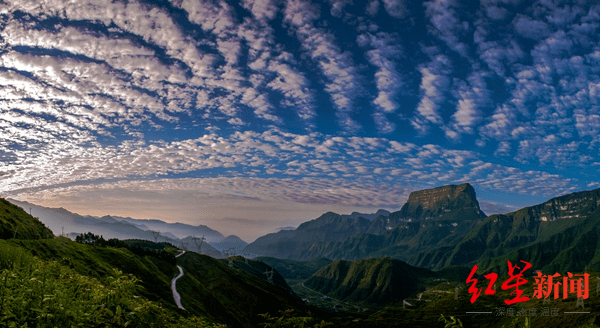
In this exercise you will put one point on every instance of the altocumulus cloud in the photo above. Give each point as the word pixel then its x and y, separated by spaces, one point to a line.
pixel 350 103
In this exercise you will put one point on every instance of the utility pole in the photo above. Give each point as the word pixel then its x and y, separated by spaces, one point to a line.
pixel 269 275
pixel 155 234
pixel 199 245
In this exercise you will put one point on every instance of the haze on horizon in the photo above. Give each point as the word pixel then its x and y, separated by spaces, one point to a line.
pixel 272 112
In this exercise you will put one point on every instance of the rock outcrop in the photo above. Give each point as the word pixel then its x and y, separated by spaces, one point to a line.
pixel 448 202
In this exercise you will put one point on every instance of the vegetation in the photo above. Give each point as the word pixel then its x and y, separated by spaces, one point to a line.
pixel 287 319
pixel 451 322
pixel 16 223
pixel 258 269
pixel 98 262
pixel 37 293
pixel 162 251
pixel 231 295
pixel 291 269
pixel 378 281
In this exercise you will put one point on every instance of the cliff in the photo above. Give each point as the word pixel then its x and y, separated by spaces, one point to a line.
pixel 454 202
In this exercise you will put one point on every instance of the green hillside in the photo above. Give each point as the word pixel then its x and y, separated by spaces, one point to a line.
pixel 379 281
pixel 560 234
pixel 232 296
pixel 16 223
pixel 258 269
pixel 98 262
pixel 38 292
pixel 291 269
pixel 94 282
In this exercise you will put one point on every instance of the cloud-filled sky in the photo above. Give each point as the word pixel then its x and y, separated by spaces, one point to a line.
pixel 264 113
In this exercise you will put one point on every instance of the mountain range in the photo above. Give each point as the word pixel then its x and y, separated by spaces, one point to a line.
pixel 61 221
pixel 422 253
pixel 444 226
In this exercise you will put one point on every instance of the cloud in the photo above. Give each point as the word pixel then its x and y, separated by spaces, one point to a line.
pixel 337 7
pixel 444 19
pixel 434 83
pixel 490 207
pixel 395 8
pixel 473 98
pixel 117 91
pixel 372 7
pixel 261 9
pixel 387 79
pixel 337 66
pixel 530 28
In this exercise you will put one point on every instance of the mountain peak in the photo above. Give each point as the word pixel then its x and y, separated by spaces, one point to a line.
pixel 429 197
pixel 437 202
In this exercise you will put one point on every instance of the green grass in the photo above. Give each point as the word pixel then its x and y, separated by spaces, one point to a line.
pixel 16 223
pixel 230 295
pixel 45 293
pixel 98 262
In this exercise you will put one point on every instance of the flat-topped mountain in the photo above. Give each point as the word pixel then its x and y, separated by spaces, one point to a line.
pixel 450 204
pixel 447 202
pixel 546 235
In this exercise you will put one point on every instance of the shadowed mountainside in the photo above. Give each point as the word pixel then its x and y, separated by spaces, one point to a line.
pixel 546 235
pixel 446 205
pixel 16 223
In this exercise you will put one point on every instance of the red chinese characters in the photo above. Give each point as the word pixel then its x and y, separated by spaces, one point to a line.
pixel 519 281
pixel 544 286
pixel 492 277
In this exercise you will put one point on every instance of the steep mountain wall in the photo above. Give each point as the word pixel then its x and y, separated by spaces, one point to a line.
pixel 451 202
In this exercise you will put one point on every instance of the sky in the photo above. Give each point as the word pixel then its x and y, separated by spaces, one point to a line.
pixel 251 115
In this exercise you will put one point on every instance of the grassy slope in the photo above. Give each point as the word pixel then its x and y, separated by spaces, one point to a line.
pixel 258 269
pixel 43 293
pixel 15 222
pixel 230 295
pixel 291 269
pixel 378 281
pixel 98 262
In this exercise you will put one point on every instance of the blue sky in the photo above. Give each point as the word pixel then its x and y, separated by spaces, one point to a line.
pixel 265 113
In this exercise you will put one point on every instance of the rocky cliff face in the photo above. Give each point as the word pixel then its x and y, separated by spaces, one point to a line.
pixel 449 205
pixel 448 202
pixel 567 207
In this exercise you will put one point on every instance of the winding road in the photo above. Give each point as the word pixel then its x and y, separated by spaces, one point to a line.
pixel 174 287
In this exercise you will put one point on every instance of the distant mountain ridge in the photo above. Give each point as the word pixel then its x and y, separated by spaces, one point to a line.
pixel 547 235
pixel 449 203
pixel 231 242
pixel 329 226
pixel 444 226
pixel 59 219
